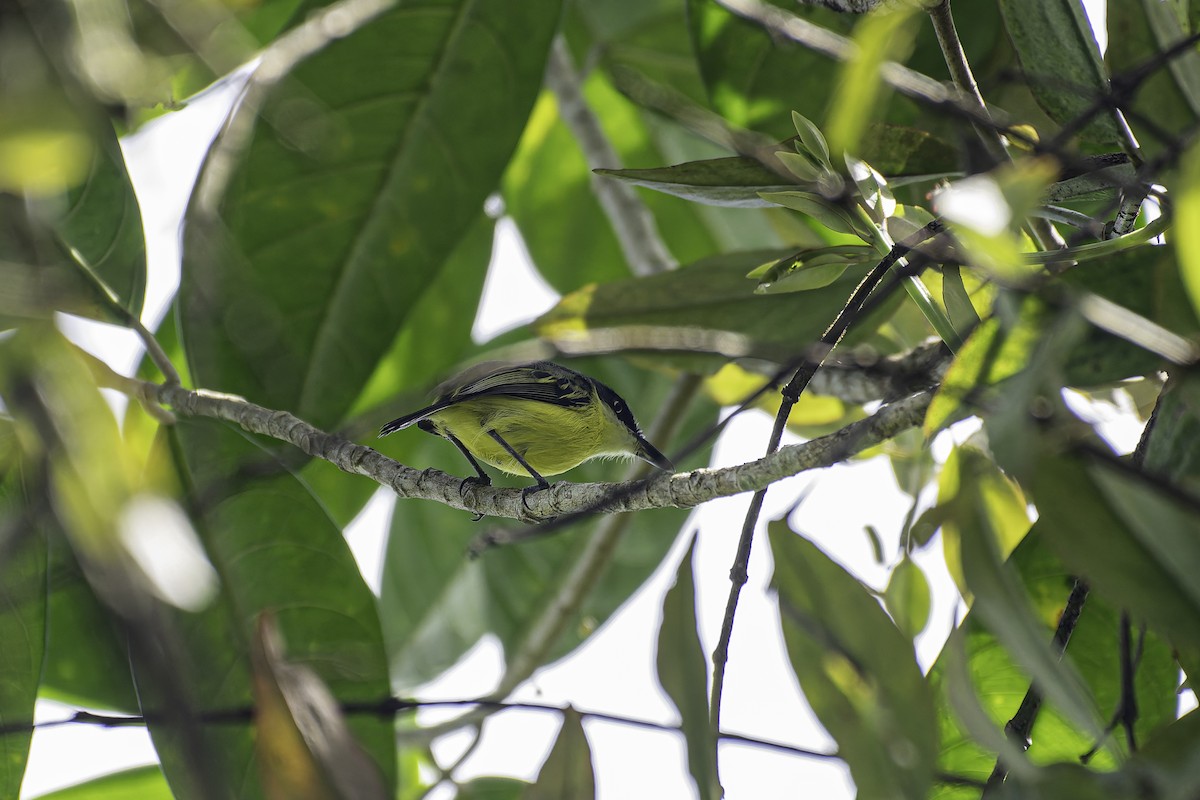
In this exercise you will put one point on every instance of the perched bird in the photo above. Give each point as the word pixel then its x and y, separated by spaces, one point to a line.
pixel 538 419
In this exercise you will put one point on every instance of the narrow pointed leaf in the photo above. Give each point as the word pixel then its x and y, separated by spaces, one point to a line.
pixel 568 769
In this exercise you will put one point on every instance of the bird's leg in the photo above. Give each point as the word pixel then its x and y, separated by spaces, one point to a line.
pixel 481 478
pixel 542 483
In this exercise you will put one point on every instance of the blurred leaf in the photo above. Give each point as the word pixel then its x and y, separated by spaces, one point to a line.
pixel 275 549
pixel 1158 108
pixel 489 788
pixel 861 93
pixel 103 224
pixel 829 214
pixel 547 190
pixel 87 657
pixel 976 499
pixel 22 615
pixel 958 303
pixel 1000 682
pixel 144 783
pixel 45 146
pixel 1061 62
pixel 683 674
pixel 1170 452
pixel 907 598
pixel 1147 551
pixel 305 750
pixel 1187 238
pixel 754 80
pixel 568 769
pixel 857 671
pixel 366 166
pixel 989 520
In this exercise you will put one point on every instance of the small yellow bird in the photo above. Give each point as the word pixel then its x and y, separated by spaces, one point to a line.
pixel 538 419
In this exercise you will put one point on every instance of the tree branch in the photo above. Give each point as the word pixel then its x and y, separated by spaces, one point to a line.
pixel 681 490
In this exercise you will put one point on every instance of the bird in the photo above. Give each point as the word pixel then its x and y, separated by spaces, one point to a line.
pixel 537 418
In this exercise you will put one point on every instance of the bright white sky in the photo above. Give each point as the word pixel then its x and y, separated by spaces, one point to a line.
pixel 614 671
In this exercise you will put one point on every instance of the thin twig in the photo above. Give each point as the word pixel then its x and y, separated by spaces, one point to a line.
pixel 632 222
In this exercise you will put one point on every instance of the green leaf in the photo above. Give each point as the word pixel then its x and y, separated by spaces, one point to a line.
pixel 857 671
pixel 1061 61
pixel 489 788
pixel 998 681
pixel 365 170
pixel 1187 237
pixel 568 769
pixel 735 181
pixel 1169 452
pixel 274 548
pixel 548 191
pixel 813 139
pixel 1159 110
pixel 753 80
pixel 984 512
pixel 103 224
pixel 1127 537
pixel 958 303
pixel 671 310
pixel 683 674
pixel 814 205
pixel 810 269
pixel 907 598
pixel 144 783
pixel 22 617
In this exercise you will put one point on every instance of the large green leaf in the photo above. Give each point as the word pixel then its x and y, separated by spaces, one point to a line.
pixel 999 682
pixel 366 167
pixel 144 783
pixel 547 190
pixel 103 224
pixel 1061 61
pixel 674 310
pixel 683 674
pixel 275 549
pixel 857 670
pixel 22 617
pixel 1159 107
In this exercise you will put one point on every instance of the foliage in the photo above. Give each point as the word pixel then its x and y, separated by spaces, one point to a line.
pixel 334 255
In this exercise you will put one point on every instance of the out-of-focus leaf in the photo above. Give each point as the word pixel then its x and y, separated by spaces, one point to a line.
pixel 907 598
pixel 1061 62
pixel 1169 761
pixel 489 788
pixel 274 549
pixel 999 682
pixel 548 191
pixel 103 224
pixel 958 303
pixel 22 615
pixel 1170 452
pixel 1187 237
pixel 976 499
pixel 813 205
pixel 568 769
pixel 861 93
pixel 683 674
pixel 1128 538
pixel 144 783
pixel 365 167
pixel 87 658
pixel 988 523
pixel 857 671
pixel 305 750
pixel 1159 99
pixel 707 306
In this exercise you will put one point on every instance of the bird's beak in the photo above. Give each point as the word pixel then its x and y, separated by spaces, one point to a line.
pixel 648 452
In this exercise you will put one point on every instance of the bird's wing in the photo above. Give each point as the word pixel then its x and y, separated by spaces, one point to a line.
pixel 559 386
